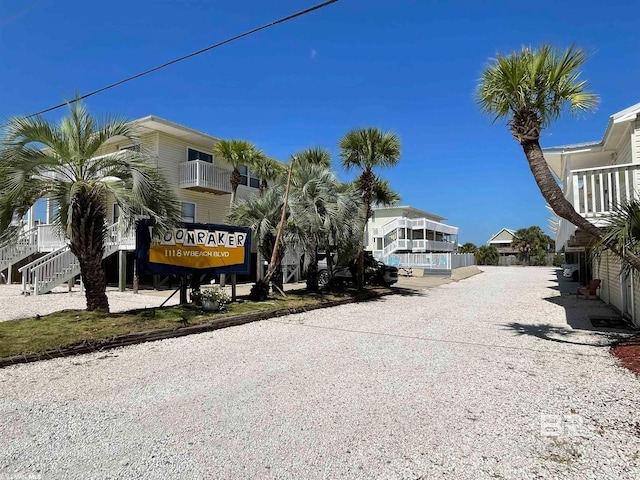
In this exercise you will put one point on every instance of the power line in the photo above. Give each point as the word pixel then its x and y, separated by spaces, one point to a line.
pixel 193 54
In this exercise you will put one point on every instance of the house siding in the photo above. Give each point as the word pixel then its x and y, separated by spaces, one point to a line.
pixel 503 236
pixel 635 143
pixel 625 155
pixel 608 270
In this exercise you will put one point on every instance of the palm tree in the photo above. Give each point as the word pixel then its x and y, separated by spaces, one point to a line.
pixel 262 214
pixel 468 248
pixel 322 211
pixel 62 162
pixel 366 149
pixel 530 89
pixel 267 169
pixel 314 156
pixel 237 153
pixel 487 255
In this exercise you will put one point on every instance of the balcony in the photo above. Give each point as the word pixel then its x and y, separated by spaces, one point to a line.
pixel 595 193
pixel 205 177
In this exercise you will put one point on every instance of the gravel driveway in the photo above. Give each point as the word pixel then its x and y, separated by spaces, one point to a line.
pixel 477 379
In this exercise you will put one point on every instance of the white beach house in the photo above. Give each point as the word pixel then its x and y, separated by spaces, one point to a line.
pixel 596 177
pixel 184 156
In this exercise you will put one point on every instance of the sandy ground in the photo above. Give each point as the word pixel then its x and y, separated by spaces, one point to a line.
pixel 491 377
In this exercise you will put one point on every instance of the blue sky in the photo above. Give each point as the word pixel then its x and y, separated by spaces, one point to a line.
pixel 406 66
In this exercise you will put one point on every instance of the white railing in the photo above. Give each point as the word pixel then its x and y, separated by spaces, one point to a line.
pixel 433 246
pixel 427 261
pixel 595 192
pixel 43 274
pixel 50 238
pixel 199 174
pixel 414 224
pixel 11 253
pixel 60 266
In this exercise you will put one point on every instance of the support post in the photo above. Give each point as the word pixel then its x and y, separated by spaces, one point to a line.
pixel 233 287
pixel 122 270
pixel 183 289
pixel 136 279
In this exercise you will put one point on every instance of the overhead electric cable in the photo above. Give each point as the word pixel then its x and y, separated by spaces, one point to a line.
pixel 193 54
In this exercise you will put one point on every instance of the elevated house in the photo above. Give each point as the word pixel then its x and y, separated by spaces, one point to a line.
pixel 596 177
pixel 185 157
pixel 409 236
pixel 502 241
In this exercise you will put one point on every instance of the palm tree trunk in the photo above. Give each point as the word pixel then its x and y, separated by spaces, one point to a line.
pixel 368 180
pixel 312 269
pixel 95 284
pixel 552 193
pixel 235 179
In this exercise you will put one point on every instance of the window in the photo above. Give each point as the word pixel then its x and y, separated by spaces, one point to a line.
pixel 244 171
pixel 198 155
pixel 188 212
pixel 248 178
pixel 116 212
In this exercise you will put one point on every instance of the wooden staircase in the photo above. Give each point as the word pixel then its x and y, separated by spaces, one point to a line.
pixel 60 266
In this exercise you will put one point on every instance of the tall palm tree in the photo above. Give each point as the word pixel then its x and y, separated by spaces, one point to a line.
pixel 62 162
pixel 366 149
pixel 320 207
pixel 267 169
pixel 314 156
pixel 530 89
pixel 237 153
pixel 262 214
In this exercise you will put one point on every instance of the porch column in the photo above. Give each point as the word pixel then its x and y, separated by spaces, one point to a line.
pixel 122 270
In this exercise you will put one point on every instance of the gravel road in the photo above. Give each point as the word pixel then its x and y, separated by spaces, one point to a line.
pixel 477 379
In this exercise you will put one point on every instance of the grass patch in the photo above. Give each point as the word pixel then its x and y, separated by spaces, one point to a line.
pixel 73 327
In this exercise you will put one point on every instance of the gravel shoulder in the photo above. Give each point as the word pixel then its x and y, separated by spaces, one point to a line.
pixel 482 378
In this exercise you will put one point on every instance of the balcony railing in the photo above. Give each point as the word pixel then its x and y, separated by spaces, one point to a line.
pixel 414 224
pixel 204 176
pixel 595 192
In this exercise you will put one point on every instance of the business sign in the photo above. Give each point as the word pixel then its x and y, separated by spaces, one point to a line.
pixel 574 249
pixel 193 248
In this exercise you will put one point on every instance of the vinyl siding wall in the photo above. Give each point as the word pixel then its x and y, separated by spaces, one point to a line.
pixel 607 269
pixel 635 143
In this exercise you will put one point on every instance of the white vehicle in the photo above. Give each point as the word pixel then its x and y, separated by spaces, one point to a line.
pixel 571 270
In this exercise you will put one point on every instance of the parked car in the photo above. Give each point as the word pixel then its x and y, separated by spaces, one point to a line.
pixel 375 272
pixel 571 270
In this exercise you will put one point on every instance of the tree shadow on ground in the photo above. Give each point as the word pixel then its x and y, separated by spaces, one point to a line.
pixel 554 334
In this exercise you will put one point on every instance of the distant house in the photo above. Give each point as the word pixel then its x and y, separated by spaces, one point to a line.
pixel 502 241
pixel 409 236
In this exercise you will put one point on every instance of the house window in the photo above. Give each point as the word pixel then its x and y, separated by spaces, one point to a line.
pixel 248 178
pixel 198 155
pixel 188 212
pixel 244 171
pixel 116 212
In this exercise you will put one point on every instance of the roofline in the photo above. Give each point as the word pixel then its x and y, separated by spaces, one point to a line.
pixel 512 232
pixel 628 114
pixel 173 125
pixel 409 207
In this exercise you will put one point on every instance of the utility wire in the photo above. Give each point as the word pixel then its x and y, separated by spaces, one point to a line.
pixel 193 54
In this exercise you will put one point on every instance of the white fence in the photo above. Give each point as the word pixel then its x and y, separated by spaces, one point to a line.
pixel 430 261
